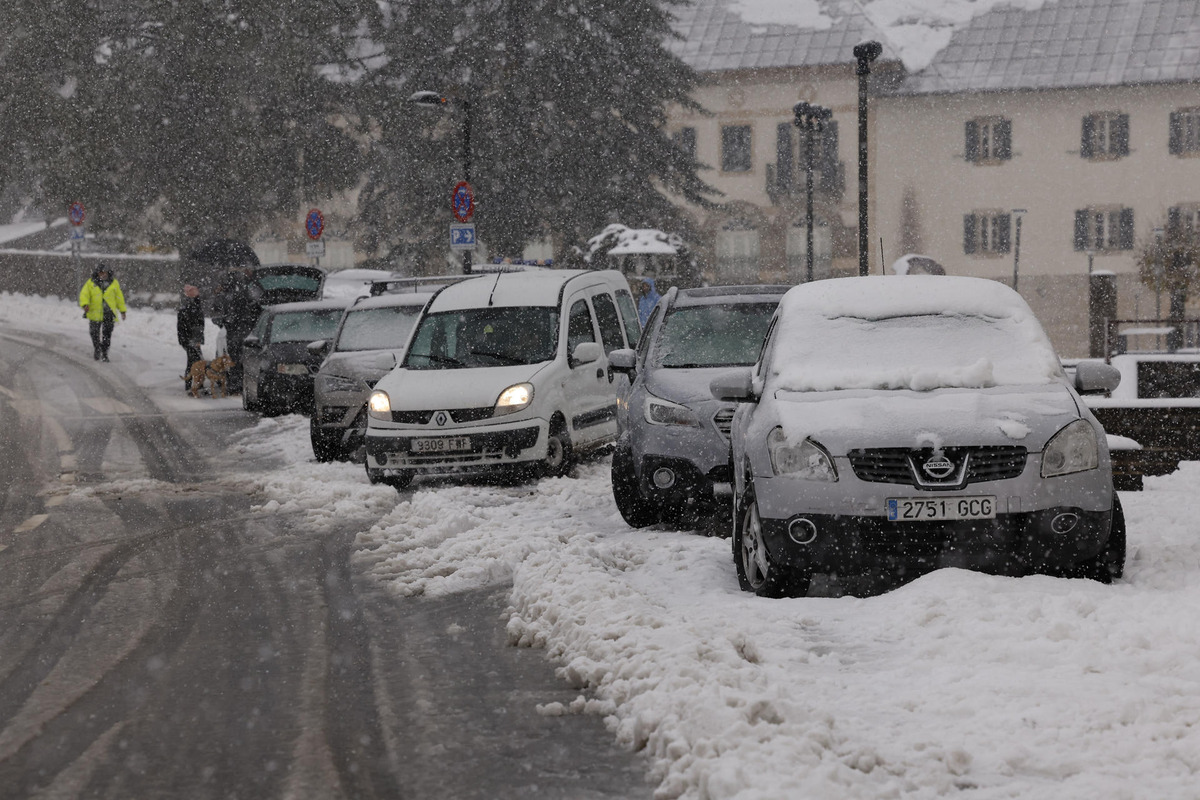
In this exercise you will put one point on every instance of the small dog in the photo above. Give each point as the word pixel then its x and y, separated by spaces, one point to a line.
pixel 215 372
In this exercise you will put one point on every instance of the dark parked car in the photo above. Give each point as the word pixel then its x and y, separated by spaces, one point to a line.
pixel 279 368
pixel 672 456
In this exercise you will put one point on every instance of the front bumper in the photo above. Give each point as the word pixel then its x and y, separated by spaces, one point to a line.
pixel 285 391
pixel 493 447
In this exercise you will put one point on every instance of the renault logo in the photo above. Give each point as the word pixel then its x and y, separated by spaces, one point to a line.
pixel 938 467
pixel 441 418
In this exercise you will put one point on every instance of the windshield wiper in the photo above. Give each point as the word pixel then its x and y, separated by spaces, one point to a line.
pixel 498 356
pixel 442 359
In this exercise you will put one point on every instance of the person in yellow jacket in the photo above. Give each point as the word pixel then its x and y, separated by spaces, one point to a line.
pixel 102 300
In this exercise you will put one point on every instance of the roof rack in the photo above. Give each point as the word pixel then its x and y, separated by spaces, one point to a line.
pixel 428 283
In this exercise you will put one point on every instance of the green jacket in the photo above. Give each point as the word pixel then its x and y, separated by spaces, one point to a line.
pixel 93 299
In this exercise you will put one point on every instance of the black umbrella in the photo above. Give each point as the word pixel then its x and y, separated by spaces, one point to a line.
pixel 207 263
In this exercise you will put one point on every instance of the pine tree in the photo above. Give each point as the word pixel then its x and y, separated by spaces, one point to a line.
pixel 567 105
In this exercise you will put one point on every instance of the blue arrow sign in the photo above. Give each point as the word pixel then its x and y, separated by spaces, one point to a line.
pixel 462 236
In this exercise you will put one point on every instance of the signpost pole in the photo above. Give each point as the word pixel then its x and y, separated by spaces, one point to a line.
pixel 76 214
pixel 314 226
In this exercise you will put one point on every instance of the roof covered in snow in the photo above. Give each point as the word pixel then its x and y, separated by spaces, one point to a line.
pixel 955 45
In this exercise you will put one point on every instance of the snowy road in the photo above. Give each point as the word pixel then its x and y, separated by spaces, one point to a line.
pixel 956 685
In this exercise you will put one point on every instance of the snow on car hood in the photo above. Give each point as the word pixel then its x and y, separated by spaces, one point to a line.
pixel 360 363
pixel 426 389
pixel 1006 415
pixel 689 386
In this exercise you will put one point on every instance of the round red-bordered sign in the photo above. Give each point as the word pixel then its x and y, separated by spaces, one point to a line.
pixel 462 202
pixel 314 224
pixel 77 213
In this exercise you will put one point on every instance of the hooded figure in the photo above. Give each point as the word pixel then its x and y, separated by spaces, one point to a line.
pixel 101 299
pixel 189 322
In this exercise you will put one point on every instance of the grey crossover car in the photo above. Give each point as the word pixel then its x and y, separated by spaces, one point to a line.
pixel 278 367
pixel 671 461
pixel 369 340
pixel 916 422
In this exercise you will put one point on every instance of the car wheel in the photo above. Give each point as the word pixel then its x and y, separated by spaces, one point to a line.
pixel 755 570
pixel 558 450
pixel 634 508
pixel 399 479
pixel 326 443
pixel 1110 564
pixel 250 403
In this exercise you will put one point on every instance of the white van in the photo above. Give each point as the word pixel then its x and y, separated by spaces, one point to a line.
pixel 505 372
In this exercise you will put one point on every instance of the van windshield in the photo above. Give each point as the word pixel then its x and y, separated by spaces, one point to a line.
pixel 484 337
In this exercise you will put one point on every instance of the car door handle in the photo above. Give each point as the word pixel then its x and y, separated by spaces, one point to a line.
pixel 600 373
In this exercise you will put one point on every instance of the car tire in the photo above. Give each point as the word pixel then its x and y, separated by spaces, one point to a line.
pixel 326 443
pixel 1110 564
pixel 253 406
pixel 755 570
pixel 635 509
pixel 557 462
pixel 398 480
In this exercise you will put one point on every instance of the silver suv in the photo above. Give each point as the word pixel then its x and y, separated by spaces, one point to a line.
pixel 671 461
pixel 369 340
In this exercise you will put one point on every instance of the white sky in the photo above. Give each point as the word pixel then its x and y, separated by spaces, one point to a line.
pixel 957 685
pixel 916 30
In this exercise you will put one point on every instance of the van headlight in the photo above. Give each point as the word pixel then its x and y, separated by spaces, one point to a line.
pixel 379 406
pixel 807 460
pixel 513 399
pixel 664 412
pixel 1073 449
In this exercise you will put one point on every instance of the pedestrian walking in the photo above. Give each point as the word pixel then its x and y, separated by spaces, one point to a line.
pixel 102 300
pixel 238 305
pixel 189 322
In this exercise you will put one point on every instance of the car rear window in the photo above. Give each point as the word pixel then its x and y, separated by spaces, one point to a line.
pixel 713 336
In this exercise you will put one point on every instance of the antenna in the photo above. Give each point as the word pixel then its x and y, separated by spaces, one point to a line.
pixel 882 263
pixel 494 285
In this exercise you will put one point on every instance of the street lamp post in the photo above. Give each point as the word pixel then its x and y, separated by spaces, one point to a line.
pixel 811 119
pixel 1018 213
pixel 864 53
pixel 434 100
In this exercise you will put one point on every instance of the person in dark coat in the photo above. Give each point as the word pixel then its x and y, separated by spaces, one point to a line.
pixel 238 305
pixel 189 321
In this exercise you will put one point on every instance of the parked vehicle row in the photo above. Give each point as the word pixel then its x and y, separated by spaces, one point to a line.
pixel 848 426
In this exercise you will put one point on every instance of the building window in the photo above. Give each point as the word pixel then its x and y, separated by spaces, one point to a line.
pixel 797 251
pixel 685 140
pixel 1185 132
pixel 1184 220
pixel 987 232
pixel 1105 136
pixel 737 252
pixel 989 140
pixel 735 148
pixel 1104 229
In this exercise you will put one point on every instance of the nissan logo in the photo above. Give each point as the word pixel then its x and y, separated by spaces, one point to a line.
pixel 938 467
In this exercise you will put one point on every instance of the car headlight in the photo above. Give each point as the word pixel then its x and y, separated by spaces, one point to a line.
pixel 339 383
pixel 379 406
pixel 514 399
pixel 807 460
pixel 1073 449
pixel 664 412
pixel 292 369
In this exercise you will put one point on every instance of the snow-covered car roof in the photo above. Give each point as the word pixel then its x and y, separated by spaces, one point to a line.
pixel 718 295
pixel 310 305
pixel 540 288
pixel 417 299
pixel 917 332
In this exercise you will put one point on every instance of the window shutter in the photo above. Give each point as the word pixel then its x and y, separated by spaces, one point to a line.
pixel 1120 135
pixel 972 146
pixel 1003 232
pixel 1125 232
pixel 687 141
pixel 783 156
pixel 1175 139
pixel 1085 140
pixel 828 165
pixel 969 233
pixel 1173 217
pixel 1081 229
pixel 1002 130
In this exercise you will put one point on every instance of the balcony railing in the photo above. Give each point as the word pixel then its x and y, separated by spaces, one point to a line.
pixel 828 184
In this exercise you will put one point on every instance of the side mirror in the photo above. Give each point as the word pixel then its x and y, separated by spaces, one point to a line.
pixel 1096 377
pixel 734 387
pixel 252 342
pixel 586 353
pixel 318 348
pixel 623 361
pixel 385 362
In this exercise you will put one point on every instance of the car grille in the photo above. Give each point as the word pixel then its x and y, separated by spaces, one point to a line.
pixel 723 419
pixel 900 465
pixel 458 415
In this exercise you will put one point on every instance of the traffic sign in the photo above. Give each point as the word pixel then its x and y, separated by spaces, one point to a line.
pixel 77 213
pixel 462 201
pixel 315 249
pixel 314 224
pixel 462 236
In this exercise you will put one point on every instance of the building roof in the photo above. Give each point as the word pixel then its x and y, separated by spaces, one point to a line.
pixel 994 46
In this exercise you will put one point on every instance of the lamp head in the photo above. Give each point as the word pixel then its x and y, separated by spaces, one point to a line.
pixel 428 99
